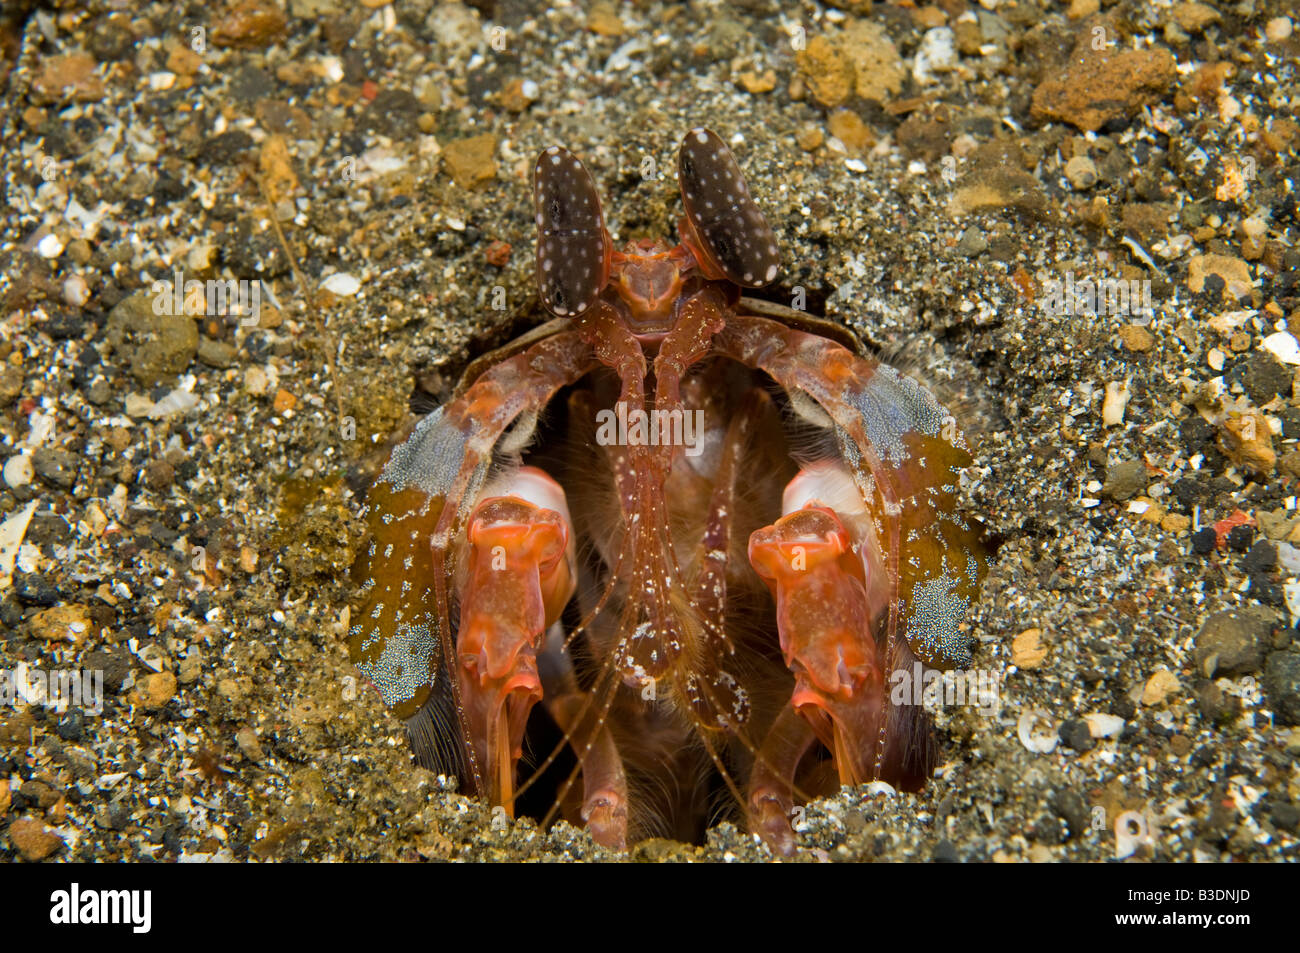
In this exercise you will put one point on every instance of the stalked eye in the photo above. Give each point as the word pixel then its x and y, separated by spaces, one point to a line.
pixel 572 248
pixel 722 214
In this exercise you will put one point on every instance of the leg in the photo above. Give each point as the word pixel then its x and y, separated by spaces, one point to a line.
pixel 400 637
pixel 771 785
pixel 904 455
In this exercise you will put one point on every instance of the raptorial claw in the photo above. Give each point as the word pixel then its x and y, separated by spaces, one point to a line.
pixel 825 608
pixel 518 577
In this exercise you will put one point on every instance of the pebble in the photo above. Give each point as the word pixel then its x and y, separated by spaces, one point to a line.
pixel 878 71
pixel 342 284
pixel 249 744
pixel 514 97
pixel 1125 480
pixel 1281 682
pixel 1247 440
pixel 827 70
pixel 848 127
pixel 1076 734
pixel 51 246
pixel 250 25
pixel 72 76
pixel 936 54
pixel 33 839
pixel 216 353
pixel 155 345
pixel 96 520
pixel 255 381
pixel 1097 87
pixel 1262 377
pixel 115 665
pixel 11 382
pixel 1194 17
pixel 1231 642
pixel 1234 272
pixel 18 470
pixel 1136 338
pixel 1101 725
pixel 154 691
pixel 1278 29
pixel 927 17
pixel 159 474
pixel 472 162
pixel 75 291
pixel 56 467
pixel 603 20
pixel 1114 403
pixel 70 623
pixel 1081 172
pixel 39 793
pixel 756 83
pixel 1027 649
pixel 456 27
pixel 809 137
pixel 1204 541
pixel 1159 687
pixel 1283 346
pixel 284 401
pixel 972 243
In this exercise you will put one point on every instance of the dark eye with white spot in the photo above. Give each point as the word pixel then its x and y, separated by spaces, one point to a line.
pixel 725 217
pixel 572 259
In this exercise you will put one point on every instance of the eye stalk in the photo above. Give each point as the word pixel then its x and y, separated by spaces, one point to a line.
pixel 723 226
pixel 573 248
pixel 724 237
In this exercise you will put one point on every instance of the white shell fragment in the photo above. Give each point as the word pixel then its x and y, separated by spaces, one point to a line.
pixel 75 291
pixel 1102 725
pixel 1131 832
pixel 1289 558
pixel 178 401
pixel 12 532
pixel 341 284
pixel 50 246
pixel 18 470
pixel 1283 346
pixel 937 54
pixel 1114 404
pixel 1291 592
pixel 1037 732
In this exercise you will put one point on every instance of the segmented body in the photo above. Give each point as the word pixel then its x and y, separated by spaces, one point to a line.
pixel 718 612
